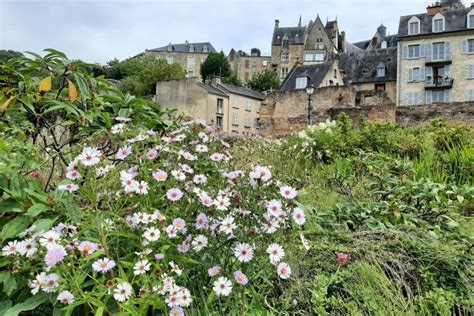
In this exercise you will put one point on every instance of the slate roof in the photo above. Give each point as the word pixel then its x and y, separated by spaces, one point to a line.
pixel 455 21
pixel 241 91
pixel 295 35
pixel 390 39
pixel 223 89
pixel 184 48
pixel 316 73
pixel 361 66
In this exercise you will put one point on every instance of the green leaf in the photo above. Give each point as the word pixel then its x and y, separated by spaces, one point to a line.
pixel 4 306
pixel 14 227
pixel 29 304
pixel 37 209
pixel 82 83
pixel 44 224
pixel 99 311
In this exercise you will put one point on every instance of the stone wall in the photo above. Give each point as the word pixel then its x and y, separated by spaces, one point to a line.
pixel 457 112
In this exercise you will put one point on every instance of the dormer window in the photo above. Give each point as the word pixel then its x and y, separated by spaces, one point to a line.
pixel 438 23
pixel 170 47
pixel 414 26
pixel 191 48
pixel 301 83
pixel 470 20
pixel 286 42
pixel 205 49
pixel 383 45
pixel 381 70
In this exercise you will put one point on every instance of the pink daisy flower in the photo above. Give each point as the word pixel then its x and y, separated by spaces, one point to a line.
pixel 284 271
pixel 288 192
pixel 87 247
pixel 103 265
pixel 160 175
pixel 124 152
pixel 55 255
pixel 152 154
pixel 240 278
pixel 174 194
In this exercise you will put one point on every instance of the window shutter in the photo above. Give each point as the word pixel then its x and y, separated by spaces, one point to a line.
pixel 422 51
pixel 419 99
pixel 429 97
pixel 447 49
pixel 470 73
pixel 410 75
pixel 422 74
pixel 428 51
pixel 447 96
pixel 464 47
pixel 405 51
pixel 409 98
pixel 447 71
pixel 429 73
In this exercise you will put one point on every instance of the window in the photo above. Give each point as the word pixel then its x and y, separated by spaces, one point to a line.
pixel 438 25
pixel 415 75
pixel 264 63
pixel 257 123
pixel 286 43
pixel 236 102
pixel 191 48
pixel 308 56
pixel 248 105
pixel 285 56
pixel 205 49
pixel 381 70
pixel 470 72
pixel 413 98
pixel 190 74
pixel 319 56
pixel 414 28
pixel 471 94
pixel 235 119
pixel 380 87
pixel 248 121
pixel 170 48
pixel 335 73
pixel 219 120
pixel 414 51
pixel 437 96
pixel 169 59
pixel 384 45
pixel 284 73
pixel 258 107
pixel 301 83
pixel 438 51
pixel 190 62
pixel 470 46
pixel 254 70
pixel 247 64
pixel 470 21
pixel 220 106
pixel 358 88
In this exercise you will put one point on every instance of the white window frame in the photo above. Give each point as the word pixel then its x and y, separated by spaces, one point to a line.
pixel 438 92
pixel 413 98
pixel 381 71
pixel 236 102
pixel 248 121
pixel 384 45
pixel 235 119
pixel 414 20
pixel 192 63
pixel 470 95
pixel 419 51
pixel 170 58
pixel 301 83
pixel 471 40
pixel 469 15
pixel 308 56
pixel 284 72
pixel 436 18
pixel 248 105
pixel 319 56
pixel 285 57
pixel 258 106
pixel 470 71
pixel 264 63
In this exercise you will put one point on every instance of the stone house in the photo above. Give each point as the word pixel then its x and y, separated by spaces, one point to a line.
pixel 189 55
pixel 226 107
pixel 436 55
pixel 245 65
pixel 319 75
pixel 312 44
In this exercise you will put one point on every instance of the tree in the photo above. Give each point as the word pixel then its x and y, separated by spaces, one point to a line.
pixel 5 55
pixel 264 81
pixel 232 79
pixel 215 65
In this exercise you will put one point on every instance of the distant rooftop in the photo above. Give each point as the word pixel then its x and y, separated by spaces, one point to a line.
pixel 186 47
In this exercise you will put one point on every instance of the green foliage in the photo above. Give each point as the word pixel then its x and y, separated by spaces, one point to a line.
pixel 215 65
pixel 139 75
pixel 232 79
pixel 6 55
pixel 264 81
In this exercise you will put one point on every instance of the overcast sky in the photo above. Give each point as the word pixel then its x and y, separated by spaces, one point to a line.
pixel 100 30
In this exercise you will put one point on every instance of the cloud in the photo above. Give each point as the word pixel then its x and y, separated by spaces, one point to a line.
pixel 98 31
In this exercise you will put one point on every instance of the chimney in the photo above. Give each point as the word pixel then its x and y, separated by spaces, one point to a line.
pixel 277 23
pixel 343 40
pixel 434 8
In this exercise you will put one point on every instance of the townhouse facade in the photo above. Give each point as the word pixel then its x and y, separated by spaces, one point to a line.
pixel 189 55
pixel 436 55
pixel 248 65
pixel 227 108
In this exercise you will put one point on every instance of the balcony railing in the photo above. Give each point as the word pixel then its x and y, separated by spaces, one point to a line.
pixel 440 83
pixel 439 58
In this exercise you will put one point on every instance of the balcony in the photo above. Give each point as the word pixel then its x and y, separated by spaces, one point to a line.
pixel 439 59
pixel 441 83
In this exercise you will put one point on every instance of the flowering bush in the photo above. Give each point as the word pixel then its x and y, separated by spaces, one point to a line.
pixel 162 223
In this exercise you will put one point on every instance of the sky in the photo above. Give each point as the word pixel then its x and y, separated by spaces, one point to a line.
pixel 101 30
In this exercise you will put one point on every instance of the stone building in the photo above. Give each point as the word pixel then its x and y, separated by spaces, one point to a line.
pixel 319 75
pixel 436 55
pixel 371 71
pixel 245 65
pixel 226 107
pixel 311 44
pixel 380 40
pixel 189 55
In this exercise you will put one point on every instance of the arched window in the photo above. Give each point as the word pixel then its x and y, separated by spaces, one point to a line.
pixel 438 23
pixel 383 45
pixel 414 26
